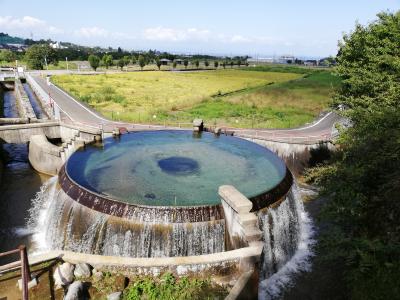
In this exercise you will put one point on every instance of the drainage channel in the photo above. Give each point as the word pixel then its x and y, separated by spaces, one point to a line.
pixel 37 108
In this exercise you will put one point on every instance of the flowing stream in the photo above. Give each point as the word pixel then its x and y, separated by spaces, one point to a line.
pixel 19 184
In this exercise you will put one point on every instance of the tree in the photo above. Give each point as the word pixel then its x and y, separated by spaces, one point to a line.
pixel 174 65
pixel 142 62
pixel 206 63
pixel 121 63
pixel 126 60
pixel 197 63
pixel 362 180
pixel 38 55
pixel 231 63
pixel 158 63
pixel 94 61
pixel 134 60
pixel 7 55
pixel 239 63
pixel 224 63
pixel 185 63
pixel 107 60
pixel 216 64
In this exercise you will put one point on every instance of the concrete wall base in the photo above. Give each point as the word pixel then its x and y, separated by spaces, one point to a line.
pixel 44 156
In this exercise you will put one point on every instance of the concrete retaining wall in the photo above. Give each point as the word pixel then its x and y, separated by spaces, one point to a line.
pixel 296 156
pixel 22 133
pixel 44 156
pixel 216 263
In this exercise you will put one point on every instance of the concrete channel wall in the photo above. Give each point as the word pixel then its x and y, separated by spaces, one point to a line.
pixel 210 264
pixel 21 133
pixel 44 156
pixel 25 109
pixel 48 158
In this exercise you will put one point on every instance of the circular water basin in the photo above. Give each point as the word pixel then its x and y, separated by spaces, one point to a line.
pixel 174 168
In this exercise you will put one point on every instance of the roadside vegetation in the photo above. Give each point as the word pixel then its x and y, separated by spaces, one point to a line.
pixel 224 97
pixel 362 180
pixel 169 287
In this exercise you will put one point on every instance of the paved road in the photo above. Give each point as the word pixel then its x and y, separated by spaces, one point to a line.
pixel 73 109
pixel 320 130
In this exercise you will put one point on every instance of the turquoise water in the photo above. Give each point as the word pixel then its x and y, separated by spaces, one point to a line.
pixel 174 168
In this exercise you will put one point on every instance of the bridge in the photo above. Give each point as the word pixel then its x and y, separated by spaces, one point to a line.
pixel 10 74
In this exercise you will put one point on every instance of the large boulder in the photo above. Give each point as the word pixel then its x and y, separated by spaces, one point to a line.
pixel 77 291
pixel 82 271
pixel 63 275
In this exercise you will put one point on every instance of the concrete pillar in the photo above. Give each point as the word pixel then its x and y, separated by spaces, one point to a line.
pixel 198 125
pixel 241 224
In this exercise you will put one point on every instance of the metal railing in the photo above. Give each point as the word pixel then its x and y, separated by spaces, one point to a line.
pixel 25 271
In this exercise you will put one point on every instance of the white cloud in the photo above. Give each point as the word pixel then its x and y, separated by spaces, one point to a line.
pixel 175 35
pixel 166 34
pixel 240 39
pixel 27 23
pixel 92 32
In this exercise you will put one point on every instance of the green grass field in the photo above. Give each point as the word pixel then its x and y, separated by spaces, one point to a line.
pixel 224 97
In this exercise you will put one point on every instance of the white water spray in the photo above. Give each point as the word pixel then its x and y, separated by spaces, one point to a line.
pixel 287 231
pixel 37 221
pixel 288 240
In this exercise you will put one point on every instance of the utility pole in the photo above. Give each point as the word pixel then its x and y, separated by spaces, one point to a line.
pixel 45 61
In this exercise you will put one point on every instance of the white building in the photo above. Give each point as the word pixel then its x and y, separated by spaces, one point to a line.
pixel 57 45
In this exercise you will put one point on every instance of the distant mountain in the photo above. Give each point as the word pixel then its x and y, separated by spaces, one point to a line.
pixel 7 39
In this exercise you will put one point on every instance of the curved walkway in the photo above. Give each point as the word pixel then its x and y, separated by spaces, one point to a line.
pixel 320 130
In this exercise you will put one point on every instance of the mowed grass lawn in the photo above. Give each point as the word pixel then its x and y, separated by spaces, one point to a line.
pixel 256 99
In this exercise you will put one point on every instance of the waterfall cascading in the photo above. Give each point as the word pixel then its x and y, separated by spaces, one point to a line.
pixel 288 239
pixel 62 223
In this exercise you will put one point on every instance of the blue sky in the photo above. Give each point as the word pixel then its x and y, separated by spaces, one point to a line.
pixel 263 28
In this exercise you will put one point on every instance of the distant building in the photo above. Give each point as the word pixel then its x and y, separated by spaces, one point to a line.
pixel 178 61
pixel 286 59
pixel 311 62
pixel 14 47
pixel 164 61
pixel 57 45
pixel 260 60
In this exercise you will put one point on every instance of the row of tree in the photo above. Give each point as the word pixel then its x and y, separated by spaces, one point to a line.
pixel 107 61
pixel 38 55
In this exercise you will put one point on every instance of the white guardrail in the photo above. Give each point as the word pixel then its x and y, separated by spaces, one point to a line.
pixel 51 108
